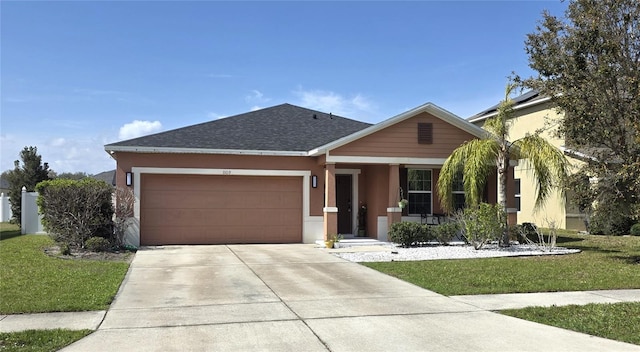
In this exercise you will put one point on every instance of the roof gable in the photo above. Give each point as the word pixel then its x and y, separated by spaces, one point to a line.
pixel 283 127
pixel 428 108
pixel 402 140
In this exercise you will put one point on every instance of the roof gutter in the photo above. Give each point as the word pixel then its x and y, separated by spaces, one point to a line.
pixel 517 107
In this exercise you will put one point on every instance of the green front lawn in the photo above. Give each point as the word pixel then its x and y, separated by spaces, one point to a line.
pixel 619 321
pixel 39 340
pixel 32 282
pixel 606 262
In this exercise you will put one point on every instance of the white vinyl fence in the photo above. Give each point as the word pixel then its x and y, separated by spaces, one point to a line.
pixel 5 208
pixel 31 221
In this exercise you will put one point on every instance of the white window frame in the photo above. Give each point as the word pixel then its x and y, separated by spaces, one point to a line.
pixel 421 192
pixel 518 204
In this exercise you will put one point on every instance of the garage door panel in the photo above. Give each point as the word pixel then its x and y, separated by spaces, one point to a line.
pixel 267 217
pixel 198 209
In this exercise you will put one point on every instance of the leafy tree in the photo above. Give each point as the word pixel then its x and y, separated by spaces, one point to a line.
pixel 28 175
pixel 477 158
pixel 588 63
pixel 72 175
pixel 583 194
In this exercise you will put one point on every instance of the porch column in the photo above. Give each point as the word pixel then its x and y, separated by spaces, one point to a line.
pixel 394 213
pixel 330 210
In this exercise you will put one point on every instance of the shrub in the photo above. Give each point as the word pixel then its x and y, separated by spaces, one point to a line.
pixel 607 221
pixel 482 224
pixel 527 232
pixel 64 249
pixel 73 211
pixel 408 234
pixel 635 230
pixel 97 244
pixel 426 234
pixel 125 200
pixel 446 232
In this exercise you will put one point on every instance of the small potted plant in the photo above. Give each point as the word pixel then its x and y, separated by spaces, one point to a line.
pixel 336 240
pixel 329 243
pixel 403 203
pixel 362 220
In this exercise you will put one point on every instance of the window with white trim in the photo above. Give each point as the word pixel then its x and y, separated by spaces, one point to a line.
pixel 517 193
pixel 459 199
pixel 419 191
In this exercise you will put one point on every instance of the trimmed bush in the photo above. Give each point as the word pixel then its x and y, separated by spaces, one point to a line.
pixel 482 224
pixel 409 234
pixel 425 235
pixel 446 232
pixel 97 244
pixel 73 211
pixel 635 230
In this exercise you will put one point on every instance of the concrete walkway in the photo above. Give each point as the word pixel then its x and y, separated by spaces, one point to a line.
pixel 294 297
pixel 496 302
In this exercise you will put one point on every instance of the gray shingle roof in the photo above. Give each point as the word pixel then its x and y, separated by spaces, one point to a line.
pixel 527 97
pixel 106 176
pixel 283 127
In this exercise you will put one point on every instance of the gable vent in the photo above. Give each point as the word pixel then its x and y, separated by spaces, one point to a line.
pixel 425 133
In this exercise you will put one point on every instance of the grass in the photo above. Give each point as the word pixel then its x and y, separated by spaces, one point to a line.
pixel 606 262
pixel 39 340
pixel 619 321
pixel 33 282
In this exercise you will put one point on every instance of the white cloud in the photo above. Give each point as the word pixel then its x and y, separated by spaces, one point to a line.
pixel 139 128
pixel 58 142
pixel 356 106
pixel 215 116
pixel 256 97
pixel 64 154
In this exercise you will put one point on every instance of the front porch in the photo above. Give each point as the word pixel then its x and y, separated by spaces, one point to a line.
pixel 362 200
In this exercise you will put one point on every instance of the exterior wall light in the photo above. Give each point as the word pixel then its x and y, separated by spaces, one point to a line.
pixel 129 179
pixel 314 181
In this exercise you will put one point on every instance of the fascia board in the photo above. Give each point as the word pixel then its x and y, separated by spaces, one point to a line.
pixel 169 150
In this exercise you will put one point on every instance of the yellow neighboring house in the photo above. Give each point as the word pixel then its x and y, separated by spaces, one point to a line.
pixel 532 113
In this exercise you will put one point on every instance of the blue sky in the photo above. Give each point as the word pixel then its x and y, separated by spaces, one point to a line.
pixel 78 75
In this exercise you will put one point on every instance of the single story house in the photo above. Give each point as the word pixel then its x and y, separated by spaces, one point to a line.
pixel 288 174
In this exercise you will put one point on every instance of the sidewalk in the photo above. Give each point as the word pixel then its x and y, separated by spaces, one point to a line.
pixel 92 320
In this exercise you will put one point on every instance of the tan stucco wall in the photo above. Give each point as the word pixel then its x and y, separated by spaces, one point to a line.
pixel 401 140
pixel 543 118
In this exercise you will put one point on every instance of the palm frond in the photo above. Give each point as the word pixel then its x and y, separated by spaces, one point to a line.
pixel 499 125
pixel 548 165
pixel 475 159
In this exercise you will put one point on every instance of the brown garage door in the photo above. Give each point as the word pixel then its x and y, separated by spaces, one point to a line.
pixel 197 209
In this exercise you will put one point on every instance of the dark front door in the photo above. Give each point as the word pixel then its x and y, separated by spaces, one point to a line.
pixel 343 202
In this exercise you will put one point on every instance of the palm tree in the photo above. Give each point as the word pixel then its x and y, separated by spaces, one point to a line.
pixel 477 158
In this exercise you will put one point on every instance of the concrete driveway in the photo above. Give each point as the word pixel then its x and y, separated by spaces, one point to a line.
pixel 299 298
